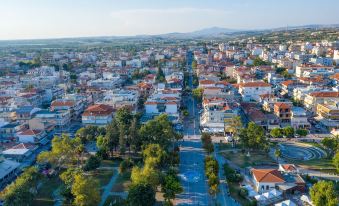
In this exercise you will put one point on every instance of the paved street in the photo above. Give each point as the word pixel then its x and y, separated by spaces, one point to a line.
pixel 192 163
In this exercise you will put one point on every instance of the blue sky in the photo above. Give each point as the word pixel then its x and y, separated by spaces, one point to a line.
pixel 27 19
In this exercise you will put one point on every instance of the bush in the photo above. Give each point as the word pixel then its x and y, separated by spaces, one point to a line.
pixel 243 192
pixel 92 163
pixel 125 165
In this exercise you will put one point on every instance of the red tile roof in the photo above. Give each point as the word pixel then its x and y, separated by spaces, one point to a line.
pixel 30 132
pixel 267 175
pixel 255 84
pixel 325 94
pixel 282 105
pixel 62 103
pixel 98 110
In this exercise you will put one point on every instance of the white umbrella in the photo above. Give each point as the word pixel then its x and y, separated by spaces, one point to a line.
pixel 286 203
pixel 276 192
pixel 260 197
pixel 268 195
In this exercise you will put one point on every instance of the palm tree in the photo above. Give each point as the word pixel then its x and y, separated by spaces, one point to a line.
pixel 277 153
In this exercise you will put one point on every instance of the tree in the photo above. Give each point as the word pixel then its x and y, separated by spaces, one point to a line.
pixel 253 137
pixel 23 189
pixel 158 131
pixel 301 132
pixel 336 161
pixel 171 187
pixel 64 152
pixel 141 194
pixel 331 144
pixel 194 64
pixel 112 136
pixel 85 191
pixel 123 117
pixel 68 178
pixel 197 93
pixel 277 153
pixel 234 128
pixel 133 136
pixel 276 132
pixel 92 163
pixel 154 155
pixel 323 193
pixel 259 62
pixel 288 131
pixel 160 76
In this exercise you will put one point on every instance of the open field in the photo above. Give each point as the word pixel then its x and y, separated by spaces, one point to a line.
pixel 243 161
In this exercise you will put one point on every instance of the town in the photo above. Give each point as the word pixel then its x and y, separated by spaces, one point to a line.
pixel 252 119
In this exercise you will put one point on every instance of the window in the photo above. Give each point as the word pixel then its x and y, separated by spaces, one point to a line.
pixel 267 187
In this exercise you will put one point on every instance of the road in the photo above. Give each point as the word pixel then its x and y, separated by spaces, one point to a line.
pixel 192 162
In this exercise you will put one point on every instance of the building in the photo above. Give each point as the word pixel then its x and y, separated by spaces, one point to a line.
pixel 283 111
pixel 311 100
pixel 8 171
pixel 217 114
pixel 269 179
pixel 266 179
pixel 252 90
pixel 20 151
pixel 328 114
pixel 32 136
pixel 98 114
pixel 299 118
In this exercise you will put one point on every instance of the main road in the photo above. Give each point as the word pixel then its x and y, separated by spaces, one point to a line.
pixel 192 155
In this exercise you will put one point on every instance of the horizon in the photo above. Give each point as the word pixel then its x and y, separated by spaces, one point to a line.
pixel 36 19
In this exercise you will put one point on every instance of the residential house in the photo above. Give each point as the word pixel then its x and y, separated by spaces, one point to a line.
pixel 252 90
pixel 283 111
pixel 299 118
pixel 98 114
pixel 328 114
pixel 311 100
pixel 32 136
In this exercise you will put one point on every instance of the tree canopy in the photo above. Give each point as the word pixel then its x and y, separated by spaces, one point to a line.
pixel 253 137
pixel 141 194
pixel 323 193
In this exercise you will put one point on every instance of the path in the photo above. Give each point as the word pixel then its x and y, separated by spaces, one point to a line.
pixel 58 199
pixel 108 187
pixel 223 196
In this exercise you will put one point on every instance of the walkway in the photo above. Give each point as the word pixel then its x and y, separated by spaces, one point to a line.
pixel 108 187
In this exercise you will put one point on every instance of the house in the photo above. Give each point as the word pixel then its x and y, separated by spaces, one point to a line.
pixel 328 114
pixel 299 118
pixel 74 103
pixel 311 100
pixel 98 114
pixel 217 114
pixel 266 179
pixel 288 168
pixel 252 90
pixel 283 111
pixel 269 179
pixel 20 151
pixel 8 171
pixel 8 131
pixel 32 136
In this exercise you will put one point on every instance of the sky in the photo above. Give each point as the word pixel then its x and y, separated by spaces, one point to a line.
pixel 35 19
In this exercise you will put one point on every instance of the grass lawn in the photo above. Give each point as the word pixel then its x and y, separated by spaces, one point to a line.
pixel 234 190
pixel 116 200
pixel 225 146
pixel 241 159
pixel 44 196
pixel 109 163
pixel 102 175
pixel 122 182
pixel 318 164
